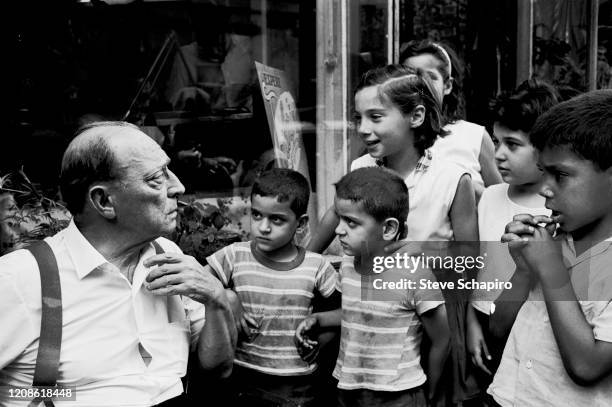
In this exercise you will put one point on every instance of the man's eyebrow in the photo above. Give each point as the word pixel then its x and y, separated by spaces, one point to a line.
pixel 163 167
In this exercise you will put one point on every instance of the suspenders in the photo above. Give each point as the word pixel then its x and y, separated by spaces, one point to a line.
pixel 50 342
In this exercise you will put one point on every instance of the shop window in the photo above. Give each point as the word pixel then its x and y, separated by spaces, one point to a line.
pixel 561 44
pixel 182 70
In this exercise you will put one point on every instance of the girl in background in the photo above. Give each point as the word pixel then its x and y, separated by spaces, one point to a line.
pixel 513 117
pixel 467 144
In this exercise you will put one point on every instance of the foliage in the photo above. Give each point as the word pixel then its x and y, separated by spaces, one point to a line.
pixel 25 214
pixel 200 230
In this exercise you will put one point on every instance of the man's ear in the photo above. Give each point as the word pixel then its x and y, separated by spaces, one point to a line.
pixel 417 117
pixel 302 223
pixel 448 86
pixel 391 228
pixel 101 200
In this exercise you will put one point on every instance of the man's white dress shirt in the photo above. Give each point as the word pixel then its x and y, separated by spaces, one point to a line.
pixel 108 325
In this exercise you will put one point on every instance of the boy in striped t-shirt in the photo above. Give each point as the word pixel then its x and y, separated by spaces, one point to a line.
pixel 275 283
pixel 379 359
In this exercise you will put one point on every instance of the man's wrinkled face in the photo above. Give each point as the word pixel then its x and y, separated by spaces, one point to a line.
pixel 145 192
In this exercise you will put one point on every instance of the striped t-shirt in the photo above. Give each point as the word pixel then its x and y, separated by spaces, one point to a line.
pixel 380 340
pixel 279 296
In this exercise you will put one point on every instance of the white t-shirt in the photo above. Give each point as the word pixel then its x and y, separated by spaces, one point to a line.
pixel 431 191
pixel 531 372
pixel 495 211
pixel 462 146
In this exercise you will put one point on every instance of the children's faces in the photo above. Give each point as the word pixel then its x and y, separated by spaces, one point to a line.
pixel 578 193
pixel 273 225
pixel 515 156
pixel 431 65
pixel 384 129
pixel 355 226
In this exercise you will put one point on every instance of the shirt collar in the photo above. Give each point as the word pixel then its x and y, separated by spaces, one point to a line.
pixel 85 257
pixel 568 243
pixel 422 165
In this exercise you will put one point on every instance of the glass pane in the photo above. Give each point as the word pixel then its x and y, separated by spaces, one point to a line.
pixel 458 24
pixel 182 70
pixel 368 48
pixel 560 43
pixel 604 51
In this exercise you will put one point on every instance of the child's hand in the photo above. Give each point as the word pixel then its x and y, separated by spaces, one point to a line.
pixel 517 234
pixel 307 348
pixel 246 325
pixel 476 344
pixel 530 241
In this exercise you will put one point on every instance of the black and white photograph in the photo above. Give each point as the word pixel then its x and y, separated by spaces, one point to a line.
pixel 307 203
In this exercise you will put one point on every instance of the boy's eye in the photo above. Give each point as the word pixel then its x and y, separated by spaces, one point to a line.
pixel 277 220
pixel 350 223
pixel 255 215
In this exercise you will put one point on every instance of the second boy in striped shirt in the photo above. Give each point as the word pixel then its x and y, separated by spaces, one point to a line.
pixel 379 363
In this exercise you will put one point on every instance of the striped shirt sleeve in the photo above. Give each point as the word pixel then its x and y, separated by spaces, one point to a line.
pixel 326 279
pixel 222 262
pixel 426 299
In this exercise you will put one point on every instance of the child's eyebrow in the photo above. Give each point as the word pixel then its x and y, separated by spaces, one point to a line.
pixel 554 168
pixel 269 214
pixel 346 217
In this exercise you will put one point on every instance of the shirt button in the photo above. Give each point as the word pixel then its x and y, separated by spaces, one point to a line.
pixel 529 365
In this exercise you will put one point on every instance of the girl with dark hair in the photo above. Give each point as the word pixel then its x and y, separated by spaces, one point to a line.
pixel 398 119
pixel 466 143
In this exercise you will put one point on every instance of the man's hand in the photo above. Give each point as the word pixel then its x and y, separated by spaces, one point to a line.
pixel 308 349
pixel 179 274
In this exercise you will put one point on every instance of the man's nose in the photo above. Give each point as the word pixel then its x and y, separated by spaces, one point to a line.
pixel 176 186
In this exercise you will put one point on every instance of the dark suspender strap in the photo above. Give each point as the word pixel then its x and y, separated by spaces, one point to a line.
pixel 158 248
pixel 50 342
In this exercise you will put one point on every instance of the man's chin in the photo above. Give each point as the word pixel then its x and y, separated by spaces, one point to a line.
pixel 169 229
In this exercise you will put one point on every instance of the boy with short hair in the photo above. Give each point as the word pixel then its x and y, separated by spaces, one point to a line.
pixel 379 359
pixel 513 117
pixel 559 351
pixel 275 282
